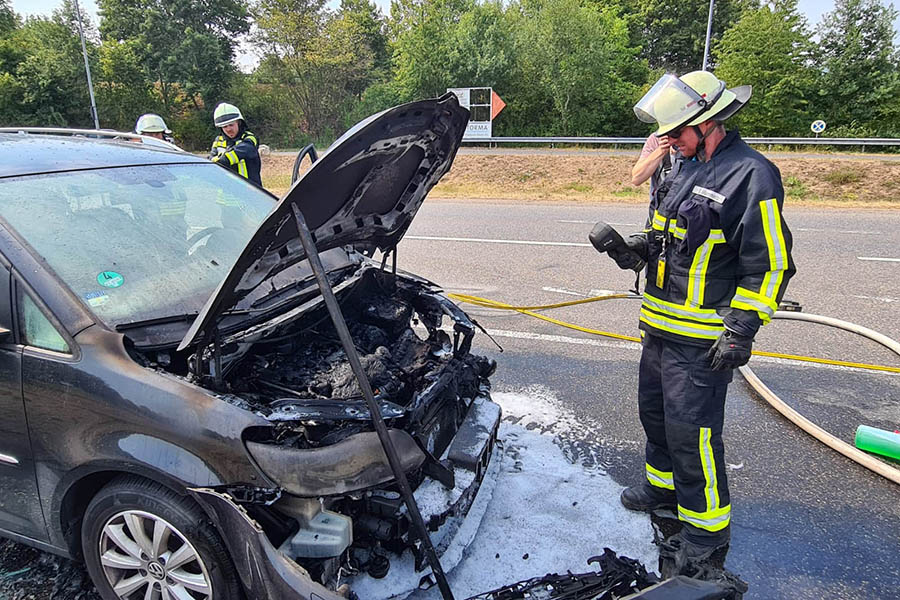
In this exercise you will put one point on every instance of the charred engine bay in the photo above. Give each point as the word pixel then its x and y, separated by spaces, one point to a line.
pixel 301 380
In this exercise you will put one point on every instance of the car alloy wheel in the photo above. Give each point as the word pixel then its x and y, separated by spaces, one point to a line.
pixel 145 557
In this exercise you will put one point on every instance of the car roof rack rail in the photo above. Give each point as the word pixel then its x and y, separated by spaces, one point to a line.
pixel 93 133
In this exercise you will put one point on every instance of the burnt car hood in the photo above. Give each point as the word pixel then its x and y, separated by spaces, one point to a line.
pixel 363 191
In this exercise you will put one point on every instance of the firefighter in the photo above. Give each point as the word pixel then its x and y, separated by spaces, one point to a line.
pixel 718 256
pixel 153 125
pixel 235 148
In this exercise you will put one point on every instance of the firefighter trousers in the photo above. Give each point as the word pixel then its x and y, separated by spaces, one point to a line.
pixel 682 408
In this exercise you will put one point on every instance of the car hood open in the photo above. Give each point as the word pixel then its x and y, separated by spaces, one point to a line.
pixel 364 191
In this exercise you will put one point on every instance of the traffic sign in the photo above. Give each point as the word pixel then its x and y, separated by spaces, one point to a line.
pixel 818 126
pixel 484 105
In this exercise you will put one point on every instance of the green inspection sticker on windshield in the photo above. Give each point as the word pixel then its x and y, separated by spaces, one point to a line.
pixel 110 279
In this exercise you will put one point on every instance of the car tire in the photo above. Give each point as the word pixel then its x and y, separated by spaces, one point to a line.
pixel 137 533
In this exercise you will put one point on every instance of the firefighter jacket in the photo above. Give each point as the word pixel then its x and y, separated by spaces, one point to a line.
pixel 240 154
pixel 719 249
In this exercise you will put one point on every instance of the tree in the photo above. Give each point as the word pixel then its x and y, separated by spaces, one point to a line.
pixel 323 59
pixel 425 35
pixel 123 92
pixel 859 85
pixel 579 74
pixel 184 46
pixel 770 49
pixel 674 33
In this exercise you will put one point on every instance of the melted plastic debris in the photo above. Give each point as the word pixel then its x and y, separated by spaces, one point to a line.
pixel 31 574
pixel 615 577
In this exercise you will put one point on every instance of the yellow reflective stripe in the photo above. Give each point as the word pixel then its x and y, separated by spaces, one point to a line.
pixel 659 221
pixel 697 275
pixel 744 299
pixel 774 233
pixel 678 327
pixel 242 168
pixel 251 138
pixel 711 491
pixel 710 520
pixel 232 157
pixel 707 315
pixel 220 143
pixel 660 479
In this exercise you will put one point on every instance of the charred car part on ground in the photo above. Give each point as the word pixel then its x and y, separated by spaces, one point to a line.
pixel 191 423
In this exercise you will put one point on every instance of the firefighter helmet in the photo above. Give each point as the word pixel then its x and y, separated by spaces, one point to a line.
pixel 691 99
pixel 151 123
pixel 226 113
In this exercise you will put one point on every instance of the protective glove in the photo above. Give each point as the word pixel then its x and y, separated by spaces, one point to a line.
pixel 731 350
pixel 633 254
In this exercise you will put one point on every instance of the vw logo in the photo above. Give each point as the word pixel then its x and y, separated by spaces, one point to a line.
pixel 156 570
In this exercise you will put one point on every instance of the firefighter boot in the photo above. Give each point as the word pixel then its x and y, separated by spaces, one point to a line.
pixel 644 497
pixel 681 553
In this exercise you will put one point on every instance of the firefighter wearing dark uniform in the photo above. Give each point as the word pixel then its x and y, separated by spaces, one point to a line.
pixel 235 148
pixel 718 256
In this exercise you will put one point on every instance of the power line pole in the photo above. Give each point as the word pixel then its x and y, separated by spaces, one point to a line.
pixel 87 67
pixel 708 35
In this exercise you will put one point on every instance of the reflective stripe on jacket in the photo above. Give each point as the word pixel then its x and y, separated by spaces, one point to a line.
pixel 241 155
pixel 720 249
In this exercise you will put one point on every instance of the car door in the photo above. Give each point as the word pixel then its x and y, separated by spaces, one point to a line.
pixel 20 507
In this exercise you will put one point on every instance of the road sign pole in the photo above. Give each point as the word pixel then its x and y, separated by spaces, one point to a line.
pixel 87 68
pixel 708 35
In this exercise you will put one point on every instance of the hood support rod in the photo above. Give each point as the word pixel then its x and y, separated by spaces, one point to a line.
pixel 337 317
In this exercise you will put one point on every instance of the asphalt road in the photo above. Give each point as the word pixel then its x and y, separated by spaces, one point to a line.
pixel 807 522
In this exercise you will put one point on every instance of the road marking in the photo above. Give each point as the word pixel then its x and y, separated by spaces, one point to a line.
pixel 577 222
pixel 878 258
pixel 574 341
pixel 879 298
pixel 563 291
pixel 848 231
pixel 493 241
pixel 591 294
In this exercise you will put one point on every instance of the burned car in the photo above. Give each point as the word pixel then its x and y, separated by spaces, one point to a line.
pixel 177 408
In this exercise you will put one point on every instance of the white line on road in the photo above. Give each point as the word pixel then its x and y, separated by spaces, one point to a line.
pixel 563 291
pixel 491 241
pixel 564 339
pixel 879 298
pixel 878 258
pixel 577 222
pixel 849 231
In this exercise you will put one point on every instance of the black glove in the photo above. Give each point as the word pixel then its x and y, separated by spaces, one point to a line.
pixel 633 255
pixel 731 350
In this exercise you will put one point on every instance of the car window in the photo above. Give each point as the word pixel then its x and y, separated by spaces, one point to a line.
pixel 137 243
pixel 37 330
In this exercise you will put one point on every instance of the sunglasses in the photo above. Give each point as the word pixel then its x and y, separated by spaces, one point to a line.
pixel 675 133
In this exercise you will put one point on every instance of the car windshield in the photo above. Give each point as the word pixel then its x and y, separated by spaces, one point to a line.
pixel 137 243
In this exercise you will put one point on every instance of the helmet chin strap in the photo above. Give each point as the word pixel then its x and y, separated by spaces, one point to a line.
pixel 701 143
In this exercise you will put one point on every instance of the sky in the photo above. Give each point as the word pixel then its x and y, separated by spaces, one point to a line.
pixel 813 9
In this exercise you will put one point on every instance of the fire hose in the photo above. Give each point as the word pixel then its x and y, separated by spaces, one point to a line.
pixel 867 461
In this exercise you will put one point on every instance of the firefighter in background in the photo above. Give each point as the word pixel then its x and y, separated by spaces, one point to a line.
pixel 153 125
pixel 235 148
pixel 718 256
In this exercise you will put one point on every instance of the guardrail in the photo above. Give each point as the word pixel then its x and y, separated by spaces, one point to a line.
pixel 772 141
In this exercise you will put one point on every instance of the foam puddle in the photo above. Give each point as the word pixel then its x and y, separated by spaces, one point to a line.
pixel 545 514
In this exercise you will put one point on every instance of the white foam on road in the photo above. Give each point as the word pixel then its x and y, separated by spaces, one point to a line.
pixel 545 514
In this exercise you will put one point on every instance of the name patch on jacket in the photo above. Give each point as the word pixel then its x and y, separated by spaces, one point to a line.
pixel 714 196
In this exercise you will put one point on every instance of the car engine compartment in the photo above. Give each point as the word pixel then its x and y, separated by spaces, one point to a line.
pixel 297 377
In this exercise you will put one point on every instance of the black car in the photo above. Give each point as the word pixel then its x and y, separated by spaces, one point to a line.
pixel 176 407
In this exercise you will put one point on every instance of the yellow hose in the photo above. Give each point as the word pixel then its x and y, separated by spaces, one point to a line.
pixel 529 310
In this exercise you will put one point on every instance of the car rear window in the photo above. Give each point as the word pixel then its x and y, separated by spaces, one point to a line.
pixel 137 243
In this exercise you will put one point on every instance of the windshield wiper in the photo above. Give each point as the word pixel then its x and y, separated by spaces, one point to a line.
pixel 173 319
